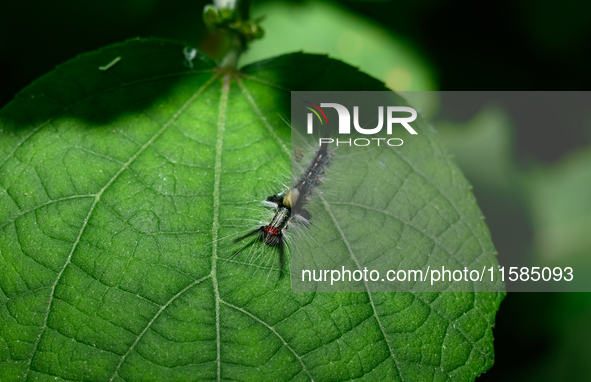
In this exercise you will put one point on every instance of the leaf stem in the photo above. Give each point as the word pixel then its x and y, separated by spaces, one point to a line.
pixel 237 42
pixel 237 47
pixel 232 17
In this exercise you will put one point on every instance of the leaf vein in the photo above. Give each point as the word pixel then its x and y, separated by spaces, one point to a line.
pixel 373 306
pixel 275 332
pixel 162 308
pixel 263 119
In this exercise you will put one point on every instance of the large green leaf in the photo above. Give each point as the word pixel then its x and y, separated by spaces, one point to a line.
pixel 118 189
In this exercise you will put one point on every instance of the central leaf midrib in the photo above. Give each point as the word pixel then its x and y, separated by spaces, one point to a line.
pixel 216 215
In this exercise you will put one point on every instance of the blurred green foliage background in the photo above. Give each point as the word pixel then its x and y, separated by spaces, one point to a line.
pixel 533 185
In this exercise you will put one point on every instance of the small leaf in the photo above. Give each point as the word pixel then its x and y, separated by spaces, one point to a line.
pixel 119 189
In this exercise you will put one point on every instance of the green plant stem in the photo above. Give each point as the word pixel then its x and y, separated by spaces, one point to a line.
pixel 237 47
pixel 237 41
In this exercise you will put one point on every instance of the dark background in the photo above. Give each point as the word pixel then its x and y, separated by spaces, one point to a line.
pixel 497 45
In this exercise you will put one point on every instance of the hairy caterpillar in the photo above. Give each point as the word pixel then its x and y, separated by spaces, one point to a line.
pixel 290 205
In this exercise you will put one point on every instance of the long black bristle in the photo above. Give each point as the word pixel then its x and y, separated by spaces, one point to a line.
pixel 260 229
